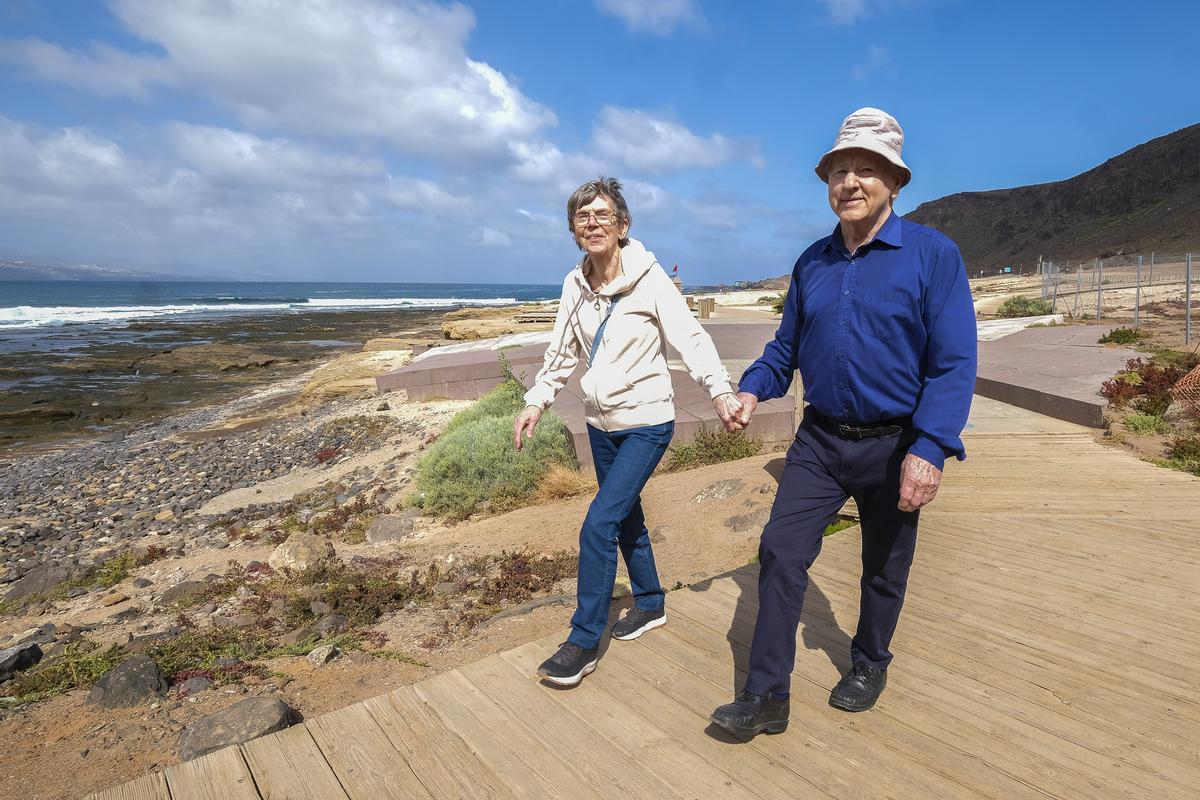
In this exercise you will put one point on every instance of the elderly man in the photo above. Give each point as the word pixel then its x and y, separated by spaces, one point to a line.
pixel 880 323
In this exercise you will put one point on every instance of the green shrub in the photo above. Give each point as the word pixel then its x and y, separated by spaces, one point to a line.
pixel 79 665
pixel 507 399
pixel 710 447
pixel 1121 336
pixel 779 302
pixel 1147 423
pixel 474 461
pixel 1022 306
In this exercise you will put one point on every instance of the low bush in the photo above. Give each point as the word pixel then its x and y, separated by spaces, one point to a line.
pixel 1184 453
pixel 474 465
pixel 710 447
pixel 779 302
pixel 80 665
pixel 1146 385
pixel 1022 306
pixel 1121 336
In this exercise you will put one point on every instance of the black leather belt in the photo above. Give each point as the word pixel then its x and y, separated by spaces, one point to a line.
pixel 860 430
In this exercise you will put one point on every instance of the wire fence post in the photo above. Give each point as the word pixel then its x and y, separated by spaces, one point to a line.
pixel 1137 296
pixel 1078 286
pixel 1099 288
pixel 1151 269
pixel 1187 303
pixel 1054 302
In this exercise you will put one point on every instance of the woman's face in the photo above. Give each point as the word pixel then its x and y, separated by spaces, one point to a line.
pixel 598 229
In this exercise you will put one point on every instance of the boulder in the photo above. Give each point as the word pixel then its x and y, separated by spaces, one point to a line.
pixel 241 722
pixel 302 551
pixel 133 681
pixel 331 625
pixel 392 527
pixel 18 658
pixel 320 656
pixel 183 592
pixel 194 685
pixel 38 580
pixel 721 490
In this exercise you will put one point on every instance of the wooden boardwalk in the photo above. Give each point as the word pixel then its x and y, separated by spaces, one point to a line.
pixel 1048 649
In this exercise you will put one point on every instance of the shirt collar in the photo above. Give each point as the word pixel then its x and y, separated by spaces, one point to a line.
pixel 890 234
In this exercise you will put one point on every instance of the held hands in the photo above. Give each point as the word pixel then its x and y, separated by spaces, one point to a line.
pixel 919 481
pixel 524 424
pixel 735 410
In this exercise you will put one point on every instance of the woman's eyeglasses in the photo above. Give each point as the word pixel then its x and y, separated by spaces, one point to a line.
pixel 604 219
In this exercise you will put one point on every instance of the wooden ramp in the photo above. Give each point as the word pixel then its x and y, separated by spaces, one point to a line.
pixel 1048 649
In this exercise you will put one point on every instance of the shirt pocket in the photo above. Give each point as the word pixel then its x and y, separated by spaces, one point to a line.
pixel 889 316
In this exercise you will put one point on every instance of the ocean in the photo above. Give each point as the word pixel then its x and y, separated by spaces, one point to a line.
pixel 37 304
pixel 85 357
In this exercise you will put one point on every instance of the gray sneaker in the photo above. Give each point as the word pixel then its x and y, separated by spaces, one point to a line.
pixel 568 666
pixel 637 622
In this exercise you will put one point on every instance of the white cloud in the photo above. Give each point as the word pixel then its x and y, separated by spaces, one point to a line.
pixel 878 57
pixel 845 12
pixel 104 70
pixel 659 17
pixel 656 145
pixel 490 237
pixel 242 159
pixel 396 72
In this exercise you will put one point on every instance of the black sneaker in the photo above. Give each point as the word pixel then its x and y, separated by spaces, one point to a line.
pixel 637 622
pixel 859 688
pixel 568 666
pixel 751 714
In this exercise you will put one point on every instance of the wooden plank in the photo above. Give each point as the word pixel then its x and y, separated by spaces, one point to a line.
pixel 1077 740
pixel 590 753
pixel 289 765
pixel 443 761
pixel 528 767
pixel 222 775
pixel 147 787
pixel 363 758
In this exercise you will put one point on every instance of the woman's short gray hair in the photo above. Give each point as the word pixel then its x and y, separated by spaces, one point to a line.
pixel 610 190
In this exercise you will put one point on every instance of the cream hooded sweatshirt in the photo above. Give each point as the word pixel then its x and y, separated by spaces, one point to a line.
pixel 628 385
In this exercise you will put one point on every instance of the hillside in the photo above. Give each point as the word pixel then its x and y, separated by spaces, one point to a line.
pixel 1145 199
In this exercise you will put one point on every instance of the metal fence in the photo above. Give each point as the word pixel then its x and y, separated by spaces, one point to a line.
pixel 1135 288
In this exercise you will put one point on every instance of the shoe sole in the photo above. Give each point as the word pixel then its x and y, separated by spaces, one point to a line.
pixel 571 680
pixel 649 626
pixel 750 733
pixel 844 706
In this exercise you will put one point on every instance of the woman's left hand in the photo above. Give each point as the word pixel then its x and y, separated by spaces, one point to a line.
pixel 729 407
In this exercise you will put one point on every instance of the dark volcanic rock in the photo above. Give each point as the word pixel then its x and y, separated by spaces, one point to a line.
pixel 16 659
pixel 392 527
pixel 38 580
pixel 131 682
pixel 241 722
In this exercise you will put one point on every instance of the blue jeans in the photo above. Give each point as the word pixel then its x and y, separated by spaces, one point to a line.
pixel 624 461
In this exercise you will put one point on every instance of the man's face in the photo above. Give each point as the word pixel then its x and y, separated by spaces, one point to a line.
pixel 862 186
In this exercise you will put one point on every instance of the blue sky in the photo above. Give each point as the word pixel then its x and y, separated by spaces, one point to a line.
pixel 411 140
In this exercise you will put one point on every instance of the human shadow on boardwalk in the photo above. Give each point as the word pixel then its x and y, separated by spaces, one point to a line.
pixel 819 629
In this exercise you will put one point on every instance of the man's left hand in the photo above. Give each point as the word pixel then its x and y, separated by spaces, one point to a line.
pixel 919 481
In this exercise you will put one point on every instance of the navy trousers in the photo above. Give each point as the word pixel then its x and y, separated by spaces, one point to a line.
pixel 615 522
pixel 823 469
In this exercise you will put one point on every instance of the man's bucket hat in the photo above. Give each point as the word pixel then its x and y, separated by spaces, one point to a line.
pixel 869 129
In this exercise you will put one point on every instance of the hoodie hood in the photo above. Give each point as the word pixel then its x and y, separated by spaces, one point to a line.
pixel 636 261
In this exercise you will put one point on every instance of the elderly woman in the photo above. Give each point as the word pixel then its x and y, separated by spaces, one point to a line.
pixel 618 310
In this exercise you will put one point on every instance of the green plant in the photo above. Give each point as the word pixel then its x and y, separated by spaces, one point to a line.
pixel 779 301
pixel 1121 336
pixel 839 525
pixel 1147 423
pixel 474 461
pixel 1022 306
pixel 79 665
pixel 710 447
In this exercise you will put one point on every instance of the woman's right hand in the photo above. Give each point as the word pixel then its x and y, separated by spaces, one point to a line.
pixel 524 424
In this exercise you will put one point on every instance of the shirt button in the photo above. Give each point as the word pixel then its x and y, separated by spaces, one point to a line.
pixel 846 292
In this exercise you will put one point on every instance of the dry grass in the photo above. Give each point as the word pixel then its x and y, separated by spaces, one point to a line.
pixel 561 482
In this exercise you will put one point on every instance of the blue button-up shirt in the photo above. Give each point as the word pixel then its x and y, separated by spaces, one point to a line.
pixel 885 332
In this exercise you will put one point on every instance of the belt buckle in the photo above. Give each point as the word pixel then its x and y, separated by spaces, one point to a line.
pixel 849 431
